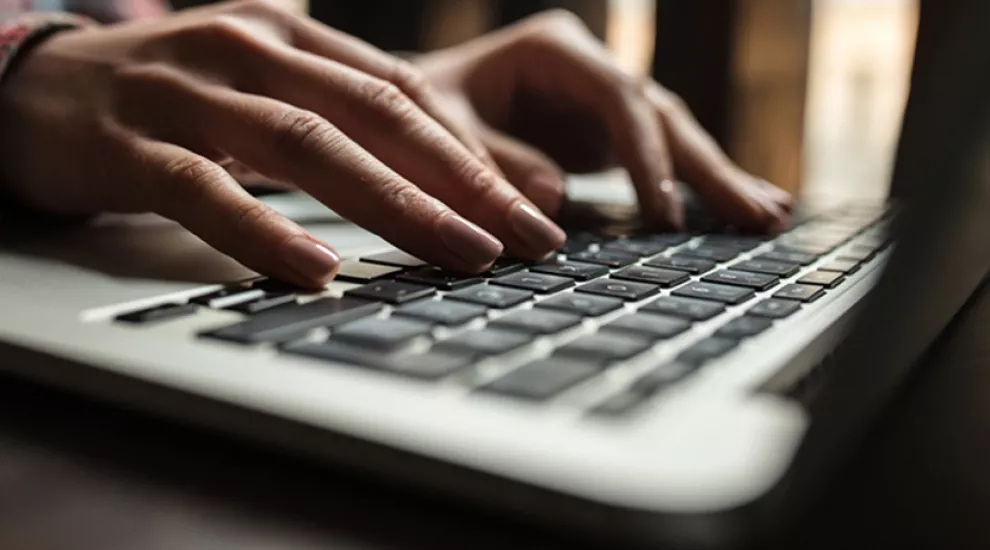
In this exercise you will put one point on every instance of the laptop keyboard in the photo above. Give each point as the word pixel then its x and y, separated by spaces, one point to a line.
pixel 600 303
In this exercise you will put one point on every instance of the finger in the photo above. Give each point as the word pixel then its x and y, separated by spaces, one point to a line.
pixel 733 195
pixel 778 195
pixel 312 36
pixel 583 71
pixel 532 172
pixel 204 199
pixel 286 143
pixel 395 130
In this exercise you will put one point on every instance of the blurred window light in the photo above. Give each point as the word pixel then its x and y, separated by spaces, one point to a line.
pixel 630 33
pixel 859 73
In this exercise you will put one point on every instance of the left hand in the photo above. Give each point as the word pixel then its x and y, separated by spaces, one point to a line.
pixel 546 96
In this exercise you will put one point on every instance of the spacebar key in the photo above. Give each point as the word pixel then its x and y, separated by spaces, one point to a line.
pixel 285 323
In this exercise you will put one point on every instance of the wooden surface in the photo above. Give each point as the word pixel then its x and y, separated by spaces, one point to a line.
pixel 78 475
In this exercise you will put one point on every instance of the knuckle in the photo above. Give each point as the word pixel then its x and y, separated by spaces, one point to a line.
pixel 409 79
pixel 253 213
pixel 386 97
pixel 221 28
pixel 672 102
pixel 483 185
pixel 191 180
pixel 299 130
pixel 195 172
pixel 558 20
pixel 402 196
pixel 265 6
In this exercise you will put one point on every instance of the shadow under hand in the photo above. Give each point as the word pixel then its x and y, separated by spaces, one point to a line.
pixel 133 246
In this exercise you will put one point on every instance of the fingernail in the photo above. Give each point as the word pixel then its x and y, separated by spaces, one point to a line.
pixel 310 259
pixel 536 229
pixel 468 241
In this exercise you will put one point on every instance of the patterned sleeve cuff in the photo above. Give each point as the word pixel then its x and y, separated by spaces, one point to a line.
pixel 18 34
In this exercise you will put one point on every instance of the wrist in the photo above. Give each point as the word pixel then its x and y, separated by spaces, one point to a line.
pixel 17 39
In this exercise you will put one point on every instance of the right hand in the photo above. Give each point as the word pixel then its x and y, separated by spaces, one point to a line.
pixel 144 117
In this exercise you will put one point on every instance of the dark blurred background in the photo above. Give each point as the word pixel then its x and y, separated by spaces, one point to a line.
pixel 806 93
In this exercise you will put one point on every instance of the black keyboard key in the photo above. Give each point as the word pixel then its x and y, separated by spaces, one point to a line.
pixel 801 293
pixel 603 348
pixel 669 239
pixel 827 279
pixel 277 287
pixel 684 308
pixel 636 247
pixel 756 281
pixel 801 247
pixel 504 266
pixel 706 350
pixel 537 321
pixel 491 296
pixel 858 253
pixel 285 323
pixel 393 292
pixel 620 404
pixel 740 243
pixel 574 270
pixel 713 253
pixel 662 376
pixel 744 327
pixel 428 366
pixel 626 290
pixel 535 282
pixel 441 312
pixel 847 267
pixel 542 379
pixel 610 258
pixel 362 272
pixel 436 277
pixel 585 305
pixel 380 333
pixel 263 304
pixel 654 327
pixel 780 255
pixel 489 341
pixel 396 258
pixel 654 275
pixel 579 243
pixel 718 293
pixel 694 266
pixel 158 313
pixel 774 308
pixel 224 298
pixel 780 269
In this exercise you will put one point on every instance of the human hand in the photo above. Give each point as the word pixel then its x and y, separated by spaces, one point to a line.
pixel 546 97
pixel 144 117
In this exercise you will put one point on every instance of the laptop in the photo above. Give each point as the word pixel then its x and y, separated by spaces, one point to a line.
pixel 685 389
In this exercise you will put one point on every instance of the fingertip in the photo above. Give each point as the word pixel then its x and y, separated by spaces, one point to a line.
pixel 780 196
pixel 311 261
pixel 538 232
pixel 475 248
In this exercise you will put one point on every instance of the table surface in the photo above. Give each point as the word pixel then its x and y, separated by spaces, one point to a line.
pixel 77 474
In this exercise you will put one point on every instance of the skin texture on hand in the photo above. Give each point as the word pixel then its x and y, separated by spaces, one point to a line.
pixel 456 159
pixel 546 97
pixel 145 116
